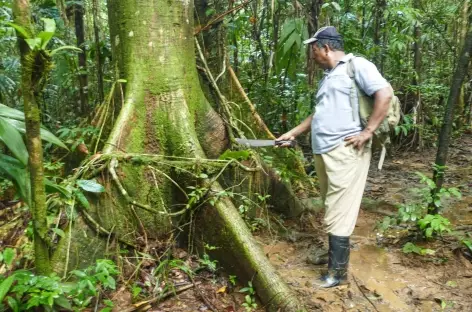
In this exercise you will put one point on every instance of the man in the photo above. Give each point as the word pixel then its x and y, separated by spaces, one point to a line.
pixel 341 147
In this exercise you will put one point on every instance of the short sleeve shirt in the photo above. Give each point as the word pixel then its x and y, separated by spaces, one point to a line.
pixel 335 117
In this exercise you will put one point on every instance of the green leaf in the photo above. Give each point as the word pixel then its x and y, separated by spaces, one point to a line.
pixel 34 43
pixel 467 243
pixel 336 6
pixel 9 256
pixel 426 251
pixel 75 49
pixel 78 273
pixel 136 291
pixel 59 232
pixel 63 302
pixel 327 4
pixel 91 186
pixel 20 30
pixel 455 192
pixel 5 286
pixel 422 223
pixel 397 130
pixel 17 172
pixel 410 247
pixel 82 199
pixel 13 304
pixel 210 12
pixel 45 134
pixel 12 113
pixel 45 37
pixel 429 232
pixel 49 25
pixel 52 187
pixel 13 140
pixel 238 155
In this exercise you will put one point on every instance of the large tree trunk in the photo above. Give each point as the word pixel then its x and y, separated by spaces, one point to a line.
pixel 164 139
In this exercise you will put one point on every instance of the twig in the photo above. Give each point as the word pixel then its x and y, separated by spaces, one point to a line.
pixel 221 16
pixel 365 296
pixel 205 299
pixel 140 305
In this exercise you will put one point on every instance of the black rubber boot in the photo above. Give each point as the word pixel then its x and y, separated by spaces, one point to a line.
pixel 337 263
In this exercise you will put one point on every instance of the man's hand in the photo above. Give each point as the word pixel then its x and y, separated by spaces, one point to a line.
pixel 358 141
pixel 287 136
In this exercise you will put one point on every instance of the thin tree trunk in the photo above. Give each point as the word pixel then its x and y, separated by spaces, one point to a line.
pixel 98 59
pixel 417 76
pixel 445 134
pixel 79 10
pixel 380 6
pixel 32 65
pixel 313 25
pixel 461 113
pixel 62 11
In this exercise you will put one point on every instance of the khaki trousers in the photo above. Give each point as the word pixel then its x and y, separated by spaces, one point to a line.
pixel 342 173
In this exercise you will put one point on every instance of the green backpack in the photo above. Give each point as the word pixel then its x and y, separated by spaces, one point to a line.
pixel 366 105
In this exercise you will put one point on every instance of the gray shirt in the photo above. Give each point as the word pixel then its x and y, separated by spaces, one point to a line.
pixel 334 119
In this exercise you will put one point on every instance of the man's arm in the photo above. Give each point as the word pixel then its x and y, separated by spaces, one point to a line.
pixel 381 105
pixel 301 128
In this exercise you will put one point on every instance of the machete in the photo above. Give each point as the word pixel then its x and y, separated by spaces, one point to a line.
pixel 263 143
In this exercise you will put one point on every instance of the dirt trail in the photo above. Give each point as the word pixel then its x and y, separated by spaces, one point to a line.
pixel 382 277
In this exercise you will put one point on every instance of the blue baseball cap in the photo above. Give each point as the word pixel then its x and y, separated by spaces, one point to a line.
pixel 327 32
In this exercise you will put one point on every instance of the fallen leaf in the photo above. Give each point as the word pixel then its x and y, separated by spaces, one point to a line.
pixel 221 290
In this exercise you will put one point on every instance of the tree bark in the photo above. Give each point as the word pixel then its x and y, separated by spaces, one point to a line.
pixel 34 65
pixel 445 134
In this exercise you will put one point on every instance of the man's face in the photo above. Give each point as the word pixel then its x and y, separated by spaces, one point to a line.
pixel 319 55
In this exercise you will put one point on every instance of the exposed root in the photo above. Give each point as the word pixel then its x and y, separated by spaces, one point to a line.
pixel 111 169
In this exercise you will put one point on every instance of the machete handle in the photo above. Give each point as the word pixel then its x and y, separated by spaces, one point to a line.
pixel 292 143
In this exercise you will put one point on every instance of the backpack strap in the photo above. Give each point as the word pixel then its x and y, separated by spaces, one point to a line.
pixel 351 72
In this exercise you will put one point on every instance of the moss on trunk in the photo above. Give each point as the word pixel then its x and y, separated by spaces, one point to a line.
pixel 34 66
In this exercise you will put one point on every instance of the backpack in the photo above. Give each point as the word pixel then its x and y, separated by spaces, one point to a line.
pixel 381 136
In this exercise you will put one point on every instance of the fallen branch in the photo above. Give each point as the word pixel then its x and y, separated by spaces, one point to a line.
pixel 140 305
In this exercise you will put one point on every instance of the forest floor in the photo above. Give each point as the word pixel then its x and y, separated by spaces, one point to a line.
pixel 381 276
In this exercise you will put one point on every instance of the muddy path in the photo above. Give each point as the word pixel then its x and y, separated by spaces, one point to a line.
pixel 382 277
